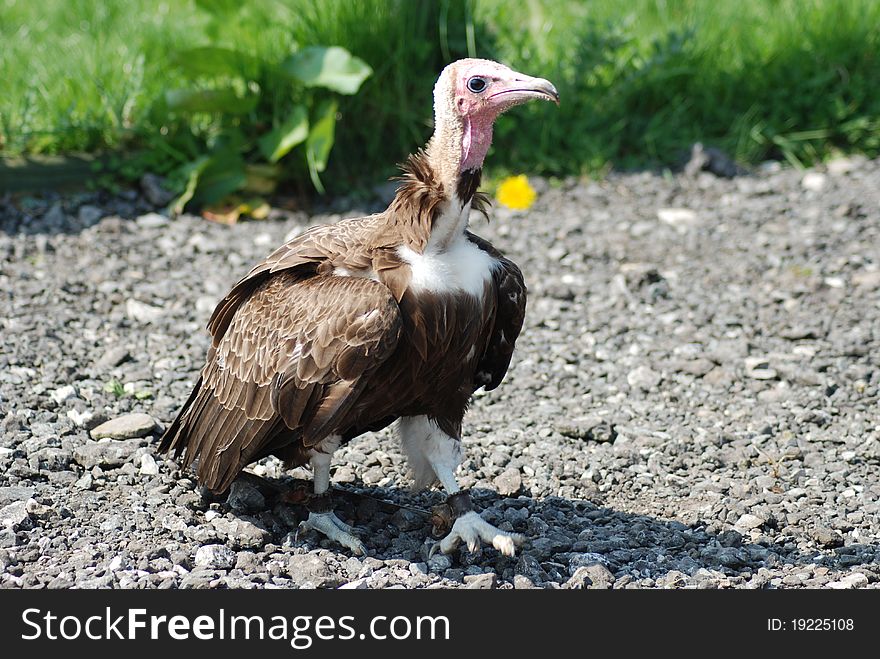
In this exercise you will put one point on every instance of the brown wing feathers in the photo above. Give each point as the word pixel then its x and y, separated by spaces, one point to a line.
pixel 507 320
pixel 295 357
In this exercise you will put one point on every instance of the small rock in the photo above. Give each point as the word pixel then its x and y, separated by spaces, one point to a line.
pixel 64 393
pixel 439 563
pixel 528 566
pixel 485 581
pixel 799 332
pixel 310 570
pixel 148 465
pixel 241 533
pixel 85 482
pixel 867 279
pixel 710 159
pixel 646 277
pixel 88 214
pixel 219 557
pixel 80 419
pixel 143 313
pixel 595 576
pixel 680 218
pixel 155 191
pixel 118 562
pixel 698 367
pixel 718 377
pixel 344 475
pixel 508 483
pixel 7 538
pixel 203 244
pixel 264 240
pixel 244 497
pixel 814 181
pixel 113 357
pixel 151 221
pixel 205 304
pixel 357 584
pixel 373 475
pixel 748 522
pixel 585 559
pixel 15 493
pixel 14 514
pixel 643 378
pixel 588 428
pixel 827 537
pixel 50 459
pixel 854 580
pixel 55 217
pixel 522 582
pixel 758 368
pixel 105 454
pixel 127 426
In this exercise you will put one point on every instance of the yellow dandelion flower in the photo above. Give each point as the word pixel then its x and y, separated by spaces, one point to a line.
pixel 515 192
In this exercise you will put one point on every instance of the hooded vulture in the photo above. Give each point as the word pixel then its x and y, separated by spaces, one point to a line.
pixel 347 328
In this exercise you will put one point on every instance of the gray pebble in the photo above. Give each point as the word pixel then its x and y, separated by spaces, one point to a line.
pixel 128 426
pixel 218 557
pixel 109 453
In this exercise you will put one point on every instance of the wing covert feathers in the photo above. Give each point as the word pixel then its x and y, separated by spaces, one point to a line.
pixel 290 363
pixel 510 311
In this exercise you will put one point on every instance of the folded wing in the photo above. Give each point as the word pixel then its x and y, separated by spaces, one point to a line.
pixel 288 363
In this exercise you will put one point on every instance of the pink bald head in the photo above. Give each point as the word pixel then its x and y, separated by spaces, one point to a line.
pixel 474 92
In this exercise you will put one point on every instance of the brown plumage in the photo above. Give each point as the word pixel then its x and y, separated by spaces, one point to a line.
pixel 346 328
pixel 327 337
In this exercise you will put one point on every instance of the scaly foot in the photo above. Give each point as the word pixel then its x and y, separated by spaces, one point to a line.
pixel 471 529
pixel 335 529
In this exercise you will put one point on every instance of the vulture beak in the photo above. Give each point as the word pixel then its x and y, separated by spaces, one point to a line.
pixel 523 88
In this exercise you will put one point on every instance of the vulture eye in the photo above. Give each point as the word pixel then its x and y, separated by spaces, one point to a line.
pixel 476 84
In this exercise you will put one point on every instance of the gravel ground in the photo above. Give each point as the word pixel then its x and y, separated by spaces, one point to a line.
pixel 693 401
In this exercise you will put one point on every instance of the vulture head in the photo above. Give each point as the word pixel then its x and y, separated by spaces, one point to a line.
pixel 469 95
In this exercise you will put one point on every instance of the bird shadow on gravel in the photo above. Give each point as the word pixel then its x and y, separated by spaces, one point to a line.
pixel 570 543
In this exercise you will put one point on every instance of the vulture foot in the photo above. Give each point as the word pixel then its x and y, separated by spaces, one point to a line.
pixel 335 529
pixel 472 529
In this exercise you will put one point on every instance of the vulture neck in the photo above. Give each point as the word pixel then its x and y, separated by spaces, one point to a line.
pixel 455 155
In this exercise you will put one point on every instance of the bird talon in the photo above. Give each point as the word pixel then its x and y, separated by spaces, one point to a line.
pixel 334 529
pixel 473 530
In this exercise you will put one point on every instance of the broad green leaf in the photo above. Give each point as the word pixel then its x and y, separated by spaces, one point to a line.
pixel 229 142
pixel 224 174
pixel 209 100
pixel 191 171
pixel 278 143
pixel 216 61
pixel 320 141
pixel 334 68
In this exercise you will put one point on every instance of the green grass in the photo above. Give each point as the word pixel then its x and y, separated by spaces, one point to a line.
pixel 640 79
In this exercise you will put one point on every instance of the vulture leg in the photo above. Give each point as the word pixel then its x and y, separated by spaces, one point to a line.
pixel 433 455
pixel 321 515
